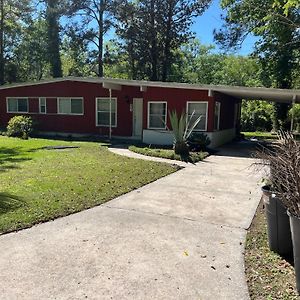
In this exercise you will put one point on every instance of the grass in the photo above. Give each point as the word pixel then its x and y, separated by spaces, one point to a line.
pixel 37 185
pixel 269 276
pixel 167 153
pixel 260 135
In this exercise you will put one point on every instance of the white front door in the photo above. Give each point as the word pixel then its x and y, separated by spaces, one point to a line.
pixel 137 117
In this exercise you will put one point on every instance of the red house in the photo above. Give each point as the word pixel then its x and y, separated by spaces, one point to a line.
pixel 126 108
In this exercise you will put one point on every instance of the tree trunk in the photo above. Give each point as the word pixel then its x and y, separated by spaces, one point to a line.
pixel 53 38
pixel 167 52
pixel 100 37
pixel 1 42
pixel 153 50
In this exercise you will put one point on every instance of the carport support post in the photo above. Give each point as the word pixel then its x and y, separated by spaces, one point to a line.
pixel 293 113
pixel 110 109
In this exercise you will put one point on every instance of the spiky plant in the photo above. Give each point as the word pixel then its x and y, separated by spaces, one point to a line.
pixel 182 129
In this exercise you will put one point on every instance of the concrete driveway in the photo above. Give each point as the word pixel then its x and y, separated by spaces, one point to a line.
pixel 181 237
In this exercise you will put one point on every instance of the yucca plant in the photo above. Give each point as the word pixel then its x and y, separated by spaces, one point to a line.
pixel 182 129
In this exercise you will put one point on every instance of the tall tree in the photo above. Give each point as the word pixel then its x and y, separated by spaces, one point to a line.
pixel 12 15
pixel 53 30
pixel 278 41
pixel 95 23
pixel 31 55
pixel 154 30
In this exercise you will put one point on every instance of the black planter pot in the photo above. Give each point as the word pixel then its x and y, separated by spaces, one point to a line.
pixel 295 228
pixel 279 231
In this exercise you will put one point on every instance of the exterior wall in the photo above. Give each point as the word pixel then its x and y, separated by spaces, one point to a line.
pixel 227 129
pixel 221 137
pixel 85 123
pixel 217 138
pixel 227 110
pixel 158 137
pixel 177 100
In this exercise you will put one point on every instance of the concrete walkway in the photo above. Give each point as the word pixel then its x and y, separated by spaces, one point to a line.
pixel 181 237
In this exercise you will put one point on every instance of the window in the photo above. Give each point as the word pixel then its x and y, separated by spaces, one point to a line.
pixel 42 105
pixel 70 106
pixel 17 105
pixel 217 116
pixel 199 109
pixel 102 111
pixel 157 115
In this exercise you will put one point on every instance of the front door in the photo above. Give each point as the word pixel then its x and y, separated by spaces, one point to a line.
pixel 137 117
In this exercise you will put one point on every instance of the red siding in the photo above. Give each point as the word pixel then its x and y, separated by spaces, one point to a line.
pixel 72 123
pixel 175 98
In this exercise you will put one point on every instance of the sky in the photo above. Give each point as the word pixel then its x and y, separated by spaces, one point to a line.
pixel 210 20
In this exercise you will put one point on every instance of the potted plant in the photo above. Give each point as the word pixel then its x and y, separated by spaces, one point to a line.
pixel 285 180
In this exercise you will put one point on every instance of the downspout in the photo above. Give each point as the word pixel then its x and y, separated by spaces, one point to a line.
pixel 110 111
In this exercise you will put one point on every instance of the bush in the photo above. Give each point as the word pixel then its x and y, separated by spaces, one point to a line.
pixel 20 126
pixel 256 116
pixel 198 141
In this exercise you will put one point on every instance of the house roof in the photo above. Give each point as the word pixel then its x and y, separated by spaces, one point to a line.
pixel 250 93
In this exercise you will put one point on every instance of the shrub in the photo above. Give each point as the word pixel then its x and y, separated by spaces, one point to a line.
pixel 20 126
pixel 198 141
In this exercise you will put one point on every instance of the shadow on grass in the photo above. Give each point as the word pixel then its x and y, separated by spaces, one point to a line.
pixel 10 157
pixel 9 202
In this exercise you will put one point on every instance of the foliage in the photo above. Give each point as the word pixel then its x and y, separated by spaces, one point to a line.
pixel 12 17
pixel 256 116
pixel 197 63
pixel 96 21
pixel 167 153
pixel 294 112
pixel 277 46
pixel 53 29
pixel 161 27
pixel 88 176
pixel 198 141
pixel 20 126
pixel 31 56
pixel 284 161
pixel 182 128
pixel 75 56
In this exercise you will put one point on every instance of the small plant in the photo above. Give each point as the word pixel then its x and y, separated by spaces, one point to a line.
pixel 20 126
pixel 198 141
pixel 182 129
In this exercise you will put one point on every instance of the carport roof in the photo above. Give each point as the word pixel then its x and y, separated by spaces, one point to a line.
pixel 250 93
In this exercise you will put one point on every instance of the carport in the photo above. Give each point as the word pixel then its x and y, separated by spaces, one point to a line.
pixel 289 96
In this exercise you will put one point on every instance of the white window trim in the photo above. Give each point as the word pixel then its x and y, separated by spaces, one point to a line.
pixel 148 115
pixel 219 115
pixel 17 112
pixel 40 112
pixel 70 114
pixel 206 119
pixel 116 112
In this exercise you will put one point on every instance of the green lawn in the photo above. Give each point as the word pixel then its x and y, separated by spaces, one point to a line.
pixel 37 185
pixel 167 153
pixel 260 135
